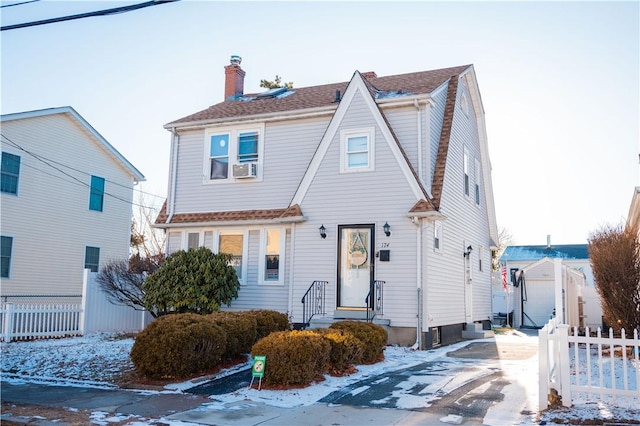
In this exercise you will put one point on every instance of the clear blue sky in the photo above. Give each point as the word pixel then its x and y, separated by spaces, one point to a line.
pixel 560 82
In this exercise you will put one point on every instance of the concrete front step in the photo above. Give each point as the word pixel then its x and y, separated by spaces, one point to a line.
pixel 325 322
pixel 474 331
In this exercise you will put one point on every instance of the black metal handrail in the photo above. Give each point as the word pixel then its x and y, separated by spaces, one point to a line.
pixel 374 300
pixel 315 295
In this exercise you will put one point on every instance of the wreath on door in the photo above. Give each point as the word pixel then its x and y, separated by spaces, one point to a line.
pixel 357 252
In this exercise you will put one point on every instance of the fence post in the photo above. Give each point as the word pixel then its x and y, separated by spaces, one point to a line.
pixel 543 367
pixel 83 304
pixel 564 365
pixel 8 322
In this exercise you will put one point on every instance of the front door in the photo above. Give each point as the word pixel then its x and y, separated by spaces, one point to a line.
pixel 356 263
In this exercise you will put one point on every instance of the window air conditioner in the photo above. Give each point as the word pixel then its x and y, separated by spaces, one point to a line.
pixel 245 170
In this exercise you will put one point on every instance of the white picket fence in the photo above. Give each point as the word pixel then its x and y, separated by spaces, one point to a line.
pixel 587 368
pixel 22 321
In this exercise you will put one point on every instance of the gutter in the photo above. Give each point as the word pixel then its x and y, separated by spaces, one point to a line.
pixel 289 115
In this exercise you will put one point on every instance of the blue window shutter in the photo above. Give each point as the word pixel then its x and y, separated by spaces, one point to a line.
pixel 96 197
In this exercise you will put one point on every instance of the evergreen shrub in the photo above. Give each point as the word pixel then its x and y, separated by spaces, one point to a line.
pixel 293 357
pixel 240 329
pixel 268 321
pixel 346 349
pixel 373 336
pixel 177 346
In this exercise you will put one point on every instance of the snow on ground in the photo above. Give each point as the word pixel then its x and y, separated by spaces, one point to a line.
pixel 95 360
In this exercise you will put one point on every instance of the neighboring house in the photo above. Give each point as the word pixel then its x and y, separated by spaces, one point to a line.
pixel 377 189
pixel 66 198
pixel 533 303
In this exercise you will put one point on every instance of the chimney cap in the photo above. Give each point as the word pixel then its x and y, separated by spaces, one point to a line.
pixel 235 60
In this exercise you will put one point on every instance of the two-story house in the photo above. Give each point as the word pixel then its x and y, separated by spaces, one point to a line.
pixel 367 197
pixel 66 197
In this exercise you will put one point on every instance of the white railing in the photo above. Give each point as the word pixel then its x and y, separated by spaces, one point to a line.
pixel 95 313
pixel 32 321
pixel 585 368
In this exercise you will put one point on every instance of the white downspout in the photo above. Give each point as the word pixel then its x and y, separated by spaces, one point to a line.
pixel 418 222
pixel 173 176
pixel 420 153
pixel 291 271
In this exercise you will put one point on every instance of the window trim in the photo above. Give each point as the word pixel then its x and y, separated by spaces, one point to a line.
pixel 94 193
pixel 263 252
pixel 437 236
pixel 466 184
pixel 233 152
pixel 478 194
pixel 345 135
pixel 10 256
pixel 245 248
pixel 4 173
pixel 85 257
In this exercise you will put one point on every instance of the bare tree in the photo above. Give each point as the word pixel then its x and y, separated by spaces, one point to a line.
pixel 146 241
pixel 614 253
pixel 122 279
pixel 505 239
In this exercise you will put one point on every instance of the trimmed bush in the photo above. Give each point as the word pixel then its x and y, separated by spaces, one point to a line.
pixel 269 321
pixel 346 349
pixel 177 346
pixel 293 357
pixel 240 330
pixel 373 336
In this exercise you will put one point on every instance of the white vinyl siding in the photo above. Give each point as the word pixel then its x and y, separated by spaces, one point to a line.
pixel 287 150
pixel 70 224
pixel 379 197
pixel 445 287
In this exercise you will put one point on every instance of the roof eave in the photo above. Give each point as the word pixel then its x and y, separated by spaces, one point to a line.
pixel 241 119
pixel 278 221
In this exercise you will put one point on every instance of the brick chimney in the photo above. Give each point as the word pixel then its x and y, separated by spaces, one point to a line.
pixel 233 79
pixel 369 74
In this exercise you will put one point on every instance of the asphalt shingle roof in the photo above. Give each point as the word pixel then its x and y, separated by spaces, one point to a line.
pixel 320 96
pixel 566 251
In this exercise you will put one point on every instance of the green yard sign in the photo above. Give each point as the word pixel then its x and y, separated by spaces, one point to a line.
pixel 257 369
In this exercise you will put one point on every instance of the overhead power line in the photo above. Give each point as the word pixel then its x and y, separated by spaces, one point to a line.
pixel 71 178
pixel 19 4
pixel 104 12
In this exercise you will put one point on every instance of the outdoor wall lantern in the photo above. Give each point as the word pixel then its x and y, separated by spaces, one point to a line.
pixel 468 252
pixel 387 229
pixel 323 232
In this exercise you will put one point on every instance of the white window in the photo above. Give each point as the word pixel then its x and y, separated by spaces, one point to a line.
pixel 271 262
pixel 357 148
pixel 477 182
pixel 235 243
pixel 437 236
pixel 465 165
pixel 464 104
pixel 225 148
pixel 193 240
